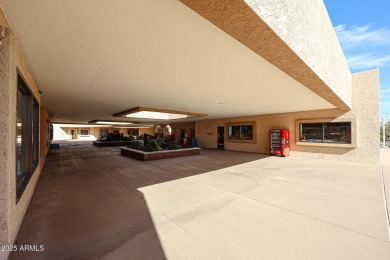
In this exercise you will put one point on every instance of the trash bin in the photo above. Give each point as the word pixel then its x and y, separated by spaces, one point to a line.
pixel 54 146
pixel 193 142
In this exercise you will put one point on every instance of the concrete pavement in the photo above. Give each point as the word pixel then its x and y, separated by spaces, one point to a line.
pixel 273 208
pixel 93 203
pixel 385 167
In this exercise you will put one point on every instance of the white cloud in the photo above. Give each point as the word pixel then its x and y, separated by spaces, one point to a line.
pixel 367 61
pixel 361 36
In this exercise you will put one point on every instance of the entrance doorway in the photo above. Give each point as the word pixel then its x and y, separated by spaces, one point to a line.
pixel 73 134
pixel 182 135
pixel 221 137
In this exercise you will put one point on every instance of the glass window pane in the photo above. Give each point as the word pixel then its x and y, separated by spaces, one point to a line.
pixel 337 132
pixel 27 136
pixel 19 140
pixel 275 140
pixel 311 132
pixel 84 132
pixel 234 132
pixel 47 132
pixel 246 132
pixel 35 135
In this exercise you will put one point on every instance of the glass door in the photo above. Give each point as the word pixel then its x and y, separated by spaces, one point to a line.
pixel 221 137
pixel 275 140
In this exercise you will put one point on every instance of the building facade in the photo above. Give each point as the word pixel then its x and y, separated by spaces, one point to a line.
pixel 250 65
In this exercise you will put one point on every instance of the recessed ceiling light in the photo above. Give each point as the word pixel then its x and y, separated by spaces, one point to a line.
pixel 109 122
pixel 112 123
pixel 136 127
pixel 156 113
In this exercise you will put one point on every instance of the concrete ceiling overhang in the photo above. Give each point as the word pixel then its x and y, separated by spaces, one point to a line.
pixel 239 20
pixel 92 59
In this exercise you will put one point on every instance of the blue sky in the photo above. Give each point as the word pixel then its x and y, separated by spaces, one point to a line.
pixel 363 28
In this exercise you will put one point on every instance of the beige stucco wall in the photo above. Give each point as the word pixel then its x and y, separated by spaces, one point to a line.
pixel 176 128
pixel 64 133
pixel 364 114
pixel 306 28
pixel 295 36
pixel 60 133
pixel 11 214
pixel 148 131
pixel 5 155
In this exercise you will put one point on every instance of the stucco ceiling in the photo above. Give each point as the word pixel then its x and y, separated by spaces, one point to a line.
pixel 94 58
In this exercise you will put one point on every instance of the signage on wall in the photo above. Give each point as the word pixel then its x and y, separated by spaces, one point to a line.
pixel 209 130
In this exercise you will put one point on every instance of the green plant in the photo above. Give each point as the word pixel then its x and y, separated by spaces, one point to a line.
pixel 102 137
pixel 173 146
pixel 149 147
pixel 153 144
pixel 159 142
pixel 135 145
pixel 127 138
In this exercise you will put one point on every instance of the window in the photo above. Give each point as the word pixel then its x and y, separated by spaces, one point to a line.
pixel 35 135
pixel 234 132
pixel 27 136
pixel 241 132
pixel 103 132
pixel 337 132
pixel 84 132
pixel 47 132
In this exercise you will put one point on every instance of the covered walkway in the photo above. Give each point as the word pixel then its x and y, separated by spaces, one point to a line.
pixel 91 202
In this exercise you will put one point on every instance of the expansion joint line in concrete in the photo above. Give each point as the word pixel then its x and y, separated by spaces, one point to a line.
pixel 385 202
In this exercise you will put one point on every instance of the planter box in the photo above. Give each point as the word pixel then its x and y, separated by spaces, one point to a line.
pixel 150 156
pixel 111 143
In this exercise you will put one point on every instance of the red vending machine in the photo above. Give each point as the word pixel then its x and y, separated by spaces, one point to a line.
pixel 279 142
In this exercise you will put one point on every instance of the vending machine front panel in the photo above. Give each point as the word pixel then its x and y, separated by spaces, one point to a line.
pixel 279 142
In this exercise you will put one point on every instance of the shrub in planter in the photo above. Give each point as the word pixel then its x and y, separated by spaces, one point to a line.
pixel 159 142
pixel 173 146
pixel 135 145
pixel 115 137
pixel 127 138
pixel 151 145
pixel 110 137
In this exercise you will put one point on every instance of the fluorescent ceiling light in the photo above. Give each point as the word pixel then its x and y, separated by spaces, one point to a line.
pixel 157 113
pixel 135 127
pixel 112 123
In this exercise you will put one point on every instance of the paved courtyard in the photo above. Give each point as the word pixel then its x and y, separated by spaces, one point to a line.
pixel 93 203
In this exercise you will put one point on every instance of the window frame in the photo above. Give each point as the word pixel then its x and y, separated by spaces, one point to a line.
pixel 35 134
pixel 240 126
pixel 103 131
pixel 27 154
pixel 322 133
pixel 353 132
pixel 47 126
pixel 84 129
